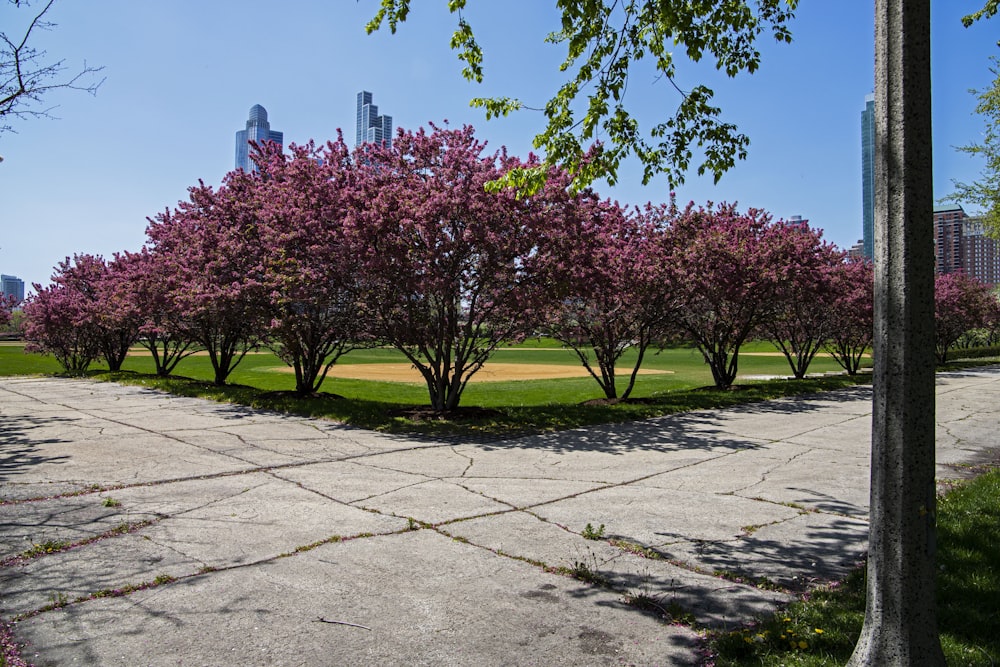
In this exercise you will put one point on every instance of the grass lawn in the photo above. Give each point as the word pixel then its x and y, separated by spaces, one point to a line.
pixel 822 629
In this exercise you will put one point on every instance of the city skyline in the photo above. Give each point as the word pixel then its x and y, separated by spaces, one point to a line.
pixel 165 117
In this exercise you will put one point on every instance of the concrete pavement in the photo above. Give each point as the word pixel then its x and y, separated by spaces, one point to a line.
pixel 185 532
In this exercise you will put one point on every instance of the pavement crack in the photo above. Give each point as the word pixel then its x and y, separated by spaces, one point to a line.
pixel 464 456
pixel 764 475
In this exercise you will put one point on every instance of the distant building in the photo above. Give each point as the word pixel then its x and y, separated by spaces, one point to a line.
pixel 258 130
pixel 12 286
pixel 949 222
pixel 868 177
pixel 371 127
pixel 980 253
pixel 857 251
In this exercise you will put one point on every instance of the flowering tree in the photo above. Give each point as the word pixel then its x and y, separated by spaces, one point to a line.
pixel 803 315
pixel 71 320
pixel 141 286
pixel 310 268
pixel 961 303
pixel 449 268
pixel 7 305
pixel 617 283
pixel 852 285
pixel 730 267
pixel 209 250
pixel 53 317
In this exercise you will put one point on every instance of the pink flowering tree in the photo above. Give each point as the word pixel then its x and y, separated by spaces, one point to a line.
pixel 210 254
pixel 853 324
pixel 7 305
pixel 993 321
pixel 141 287
pixel 118 322
pixel 72 320
pixel 310 268
pixel 730 266
pixel 802 318
pixel 449 268
pixel 53 317
pixel 616 290
pixel 961 303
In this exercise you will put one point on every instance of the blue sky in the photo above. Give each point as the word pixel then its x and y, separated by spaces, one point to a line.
pixel 182 75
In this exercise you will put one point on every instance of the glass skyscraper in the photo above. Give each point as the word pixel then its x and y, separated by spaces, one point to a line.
pixel 868 177
pixel 12 286
pixel 371 127
pixel 259 130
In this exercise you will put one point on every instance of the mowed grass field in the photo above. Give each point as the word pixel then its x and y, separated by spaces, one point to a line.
pixel 674 369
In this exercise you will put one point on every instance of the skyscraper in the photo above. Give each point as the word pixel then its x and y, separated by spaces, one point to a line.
pixel 12 286
pixel 371 127
pixel 259 130
pixel 949 223
pixel 868 176
pixel 980 252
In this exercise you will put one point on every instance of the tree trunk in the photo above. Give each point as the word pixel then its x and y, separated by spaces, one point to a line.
pixel 900 619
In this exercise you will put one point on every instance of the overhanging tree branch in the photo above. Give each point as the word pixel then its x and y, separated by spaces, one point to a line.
pixel 598 63
pixel 27 76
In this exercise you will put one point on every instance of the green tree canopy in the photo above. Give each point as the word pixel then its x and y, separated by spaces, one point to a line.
pixel 605 40
pixel 985 192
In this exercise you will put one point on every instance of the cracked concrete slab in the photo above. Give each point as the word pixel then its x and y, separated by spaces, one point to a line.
pixel 805 550
pixel 58 520
pixel 270 522
pixel 264 518
pixel 711 601
pixel 432 502
pixel 352 603
pixel 652 516
pixel 526 492
pixel 105 566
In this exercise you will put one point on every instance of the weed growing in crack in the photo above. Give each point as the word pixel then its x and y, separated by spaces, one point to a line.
pixel 310 547
pixel 57 600
pixel 670 611
pixel 763 583
pixel 412 524
pixel 111 502
pixel 636 548
pixel 591 533
pixel 586 570
pixel 46 547
pixel 582 572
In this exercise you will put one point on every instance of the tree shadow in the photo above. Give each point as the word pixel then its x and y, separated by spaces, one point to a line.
pixel 697 430
pixel 19 447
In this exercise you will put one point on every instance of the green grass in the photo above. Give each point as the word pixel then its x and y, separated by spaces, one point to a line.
pixel 828 623
pixel 503 407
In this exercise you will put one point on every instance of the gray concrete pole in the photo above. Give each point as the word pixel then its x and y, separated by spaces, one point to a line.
pixel 900 620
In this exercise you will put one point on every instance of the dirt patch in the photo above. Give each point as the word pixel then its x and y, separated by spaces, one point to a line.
pixel 781 354
pixel 492 372
pixel 144 352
